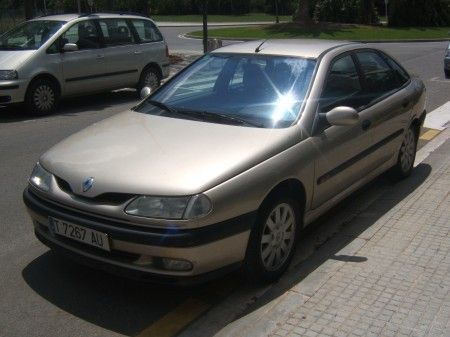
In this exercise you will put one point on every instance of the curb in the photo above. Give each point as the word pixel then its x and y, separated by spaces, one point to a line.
pixel 189 36
pixel 214 24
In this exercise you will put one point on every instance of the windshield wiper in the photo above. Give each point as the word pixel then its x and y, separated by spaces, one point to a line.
pixel 220 117
pixel 161 106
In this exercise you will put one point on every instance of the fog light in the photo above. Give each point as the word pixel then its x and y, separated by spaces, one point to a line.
pixel 174 264
pixel 144 261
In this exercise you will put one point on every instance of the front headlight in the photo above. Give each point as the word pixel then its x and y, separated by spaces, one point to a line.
pixel 7 75
pixel 171 208
pixel 40 178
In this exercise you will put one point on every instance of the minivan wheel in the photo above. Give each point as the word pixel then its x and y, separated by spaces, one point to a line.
pixel 42 97
pixel 406 155
pixel 273 240
pixel 149 78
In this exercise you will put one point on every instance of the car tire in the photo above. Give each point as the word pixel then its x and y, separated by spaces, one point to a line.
pixel 42 97
pixel 447 73
pixel 406 155
pixel 150 77
pixel 277 226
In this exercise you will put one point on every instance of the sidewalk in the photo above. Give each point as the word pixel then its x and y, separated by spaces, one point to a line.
pixel 392 278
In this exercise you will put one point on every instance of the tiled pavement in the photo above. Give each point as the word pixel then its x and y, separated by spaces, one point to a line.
pixel 401 284
pixel 385 273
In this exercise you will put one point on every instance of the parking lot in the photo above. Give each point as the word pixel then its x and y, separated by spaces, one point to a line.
pixel 43 295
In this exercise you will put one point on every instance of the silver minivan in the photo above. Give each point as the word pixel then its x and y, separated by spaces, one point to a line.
pixel 55 56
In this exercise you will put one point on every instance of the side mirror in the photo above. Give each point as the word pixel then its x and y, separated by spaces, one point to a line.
pixel 145 92
pixel 68 47
pixel 342 115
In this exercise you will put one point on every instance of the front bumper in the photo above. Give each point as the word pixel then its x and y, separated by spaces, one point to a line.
pixel 214 248
pixel 12 91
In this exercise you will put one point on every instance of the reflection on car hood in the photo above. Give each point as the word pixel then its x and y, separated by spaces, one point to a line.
pixel 145 154
pixel 11 60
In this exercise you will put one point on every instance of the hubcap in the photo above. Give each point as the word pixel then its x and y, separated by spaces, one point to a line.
pixel 278 236
pixel 151 80
pixel 44 97
pixel 408 149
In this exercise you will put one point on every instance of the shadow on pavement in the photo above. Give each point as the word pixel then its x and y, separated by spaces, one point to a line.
pixel 127 306
pixel 73 106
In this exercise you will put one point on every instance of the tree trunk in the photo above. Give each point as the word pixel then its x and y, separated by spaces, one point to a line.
pixel 29 9
pixel 301 15
pixel 367 12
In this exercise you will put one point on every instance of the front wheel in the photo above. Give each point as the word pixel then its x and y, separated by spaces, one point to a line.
pixel 273 240
pixel 406 155
pixel 42 97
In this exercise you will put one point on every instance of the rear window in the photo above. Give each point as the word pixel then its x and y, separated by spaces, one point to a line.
pixel 147 31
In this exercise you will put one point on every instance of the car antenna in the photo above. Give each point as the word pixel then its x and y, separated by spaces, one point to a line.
pixel 258 49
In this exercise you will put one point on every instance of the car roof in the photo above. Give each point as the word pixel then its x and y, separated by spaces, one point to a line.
pixel 70 17
pixel 307 48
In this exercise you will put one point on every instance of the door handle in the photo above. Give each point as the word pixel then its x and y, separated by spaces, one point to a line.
pixel 366 124
pixel 405 103
pixel 100 57
pixel 137 53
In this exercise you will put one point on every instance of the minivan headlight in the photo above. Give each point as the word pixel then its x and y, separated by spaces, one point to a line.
pixel 40 178
pixel 172 208
pixel 7 75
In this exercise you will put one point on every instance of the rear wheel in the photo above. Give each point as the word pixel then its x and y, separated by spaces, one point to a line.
pixel 42 97
pixel 273 240
pixel 407 154
pixel 151 78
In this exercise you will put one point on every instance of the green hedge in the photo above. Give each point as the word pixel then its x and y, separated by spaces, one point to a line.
pixel 419 13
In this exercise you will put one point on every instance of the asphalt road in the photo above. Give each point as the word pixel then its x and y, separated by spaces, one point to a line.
pixel 44 295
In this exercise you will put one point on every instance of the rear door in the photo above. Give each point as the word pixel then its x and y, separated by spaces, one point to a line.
pixel 121 52
pixel 83 70
pixel 389 98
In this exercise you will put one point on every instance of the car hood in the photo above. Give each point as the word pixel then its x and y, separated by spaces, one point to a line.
pixel 144 154
pixel 11 60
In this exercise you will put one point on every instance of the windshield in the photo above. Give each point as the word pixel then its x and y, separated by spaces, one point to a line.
pixel 29 35
pixel 264 91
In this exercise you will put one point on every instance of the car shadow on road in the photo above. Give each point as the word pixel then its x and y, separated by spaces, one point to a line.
pixel 127 306
pixel 74 105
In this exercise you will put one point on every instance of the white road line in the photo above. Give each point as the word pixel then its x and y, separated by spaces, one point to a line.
pixel 438 119
pixel 437 79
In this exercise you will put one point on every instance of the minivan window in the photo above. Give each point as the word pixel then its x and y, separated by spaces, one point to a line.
pixel 147 31
pixel 116 32
pixel 30 35
pixel 84 34
pixel 263 90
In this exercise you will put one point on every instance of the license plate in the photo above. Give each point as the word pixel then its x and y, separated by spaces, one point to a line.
pixel 79 233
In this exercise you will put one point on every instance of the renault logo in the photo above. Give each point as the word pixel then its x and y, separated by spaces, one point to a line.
pixel 89 182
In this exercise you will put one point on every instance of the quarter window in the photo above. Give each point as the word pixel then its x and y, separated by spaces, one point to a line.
pixel 147 31
pixel 400 74
pixel 343 86
pixel 116 32
pixel 84 34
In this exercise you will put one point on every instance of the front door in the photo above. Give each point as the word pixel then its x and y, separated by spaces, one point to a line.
pixel 342 150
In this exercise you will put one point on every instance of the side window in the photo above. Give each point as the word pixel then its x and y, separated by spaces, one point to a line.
pixel 55 48
pixel 379 78
pixel 342 87
pixel 84 34
pixel 401 75
pixel 147 31
pixel 116 32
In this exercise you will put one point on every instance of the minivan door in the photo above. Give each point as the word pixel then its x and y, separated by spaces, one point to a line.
pixel 84 70
pixel 121 53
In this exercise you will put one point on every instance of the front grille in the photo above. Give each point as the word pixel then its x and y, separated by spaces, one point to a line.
pixel 105 198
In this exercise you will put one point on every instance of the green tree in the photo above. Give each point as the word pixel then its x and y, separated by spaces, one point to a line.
pixel 302 14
